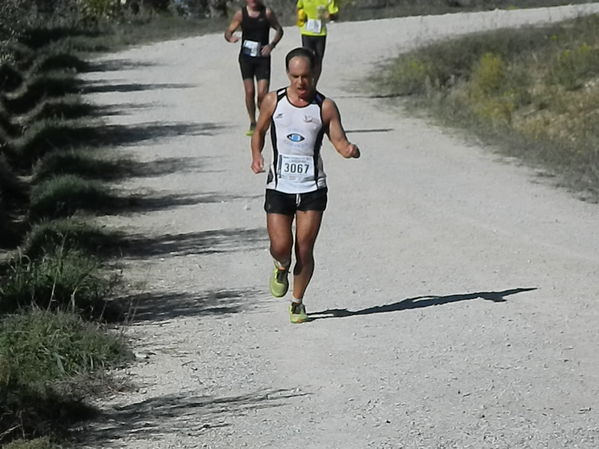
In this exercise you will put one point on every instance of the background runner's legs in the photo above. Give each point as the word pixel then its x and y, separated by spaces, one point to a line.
pixel 263 85
pixel 250 102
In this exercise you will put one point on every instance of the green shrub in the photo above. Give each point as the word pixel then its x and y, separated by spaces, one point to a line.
pixel 410 75
pixel 60 61
pixel 100 9
pixel 50 362
pixel 488 75
pixel 78 163
pixel 42 347
pixel 65 194
pixel 70 234
pixel 38 443
pixel 58 280
pixel 42 86
pixel 571 68
pixel 64 108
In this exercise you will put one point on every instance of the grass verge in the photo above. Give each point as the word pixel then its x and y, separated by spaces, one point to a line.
pixel 533 91
pixel 44 359
pixel 63 279
pixel 37 443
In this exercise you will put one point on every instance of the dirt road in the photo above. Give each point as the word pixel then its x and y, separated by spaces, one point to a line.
pixel 455 294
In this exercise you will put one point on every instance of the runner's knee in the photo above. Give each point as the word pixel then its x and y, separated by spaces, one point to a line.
pixel 304 254
pixel 280 250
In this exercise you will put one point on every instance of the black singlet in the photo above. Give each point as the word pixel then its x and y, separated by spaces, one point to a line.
pixel 255 28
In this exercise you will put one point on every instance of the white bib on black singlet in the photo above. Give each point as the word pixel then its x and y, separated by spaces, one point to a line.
pixel 297 134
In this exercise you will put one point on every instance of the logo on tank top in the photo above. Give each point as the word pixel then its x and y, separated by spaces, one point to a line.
pixel 296 138
pixel 307 119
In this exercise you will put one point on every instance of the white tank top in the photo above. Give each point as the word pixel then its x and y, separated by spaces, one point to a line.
pixel 296 134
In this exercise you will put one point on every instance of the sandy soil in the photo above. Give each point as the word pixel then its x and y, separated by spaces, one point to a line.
pixel 455 295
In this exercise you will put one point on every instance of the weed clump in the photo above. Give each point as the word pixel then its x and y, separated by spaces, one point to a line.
pixel 77 163
pixel 60 280
pixel 37 443
pixel 64 195
pixel 46 361
pixel 70 234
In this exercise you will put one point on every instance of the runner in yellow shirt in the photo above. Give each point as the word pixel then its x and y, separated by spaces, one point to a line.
pixel 312 17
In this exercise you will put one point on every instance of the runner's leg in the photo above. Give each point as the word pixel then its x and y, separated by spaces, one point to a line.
pixel 250 102
pixel 263 78
pixel 319 46
pixel 262 90
pixel 307 226
pixel 281 237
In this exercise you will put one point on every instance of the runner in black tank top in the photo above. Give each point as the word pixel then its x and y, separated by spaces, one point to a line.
pixel 255 21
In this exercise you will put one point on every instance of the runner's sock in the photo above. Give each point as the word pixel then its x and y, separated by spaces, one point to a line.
pixel 282 266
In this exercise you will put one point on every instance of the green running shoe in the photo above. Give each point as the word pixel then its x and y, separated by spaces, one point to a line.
pixel 279 284
pixel 297 313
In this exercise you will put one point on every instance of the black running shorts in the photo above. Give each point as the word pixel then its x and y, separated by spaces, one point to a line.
pixel 316 44
pixel 251 67
pixel 288 203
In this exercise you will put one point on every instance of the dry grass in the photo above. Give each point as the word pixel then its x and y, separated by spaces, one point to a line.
pixel 534 91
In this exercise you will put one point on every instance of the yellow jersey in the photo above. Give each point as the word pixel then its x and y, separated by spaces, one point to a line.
pixel 314 15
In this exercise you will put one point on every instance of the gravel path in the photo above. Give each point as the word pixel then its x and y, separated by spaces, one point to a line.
pixel 456 292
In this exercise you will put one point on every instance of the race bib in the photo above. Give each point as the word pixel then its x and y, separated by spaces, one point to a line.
pixel 251 48
pixel 314 25
pixel 295 168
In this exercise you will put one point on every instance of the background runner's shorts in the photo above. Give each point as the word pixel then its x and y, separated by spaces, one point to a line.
pixel 288 203
pixel 251 67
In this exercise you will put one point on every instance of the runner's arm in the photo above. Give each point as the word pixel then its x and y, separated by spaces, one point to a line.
pixel 335 131
pixel 233 26
pixel 266 110
pixel 274 23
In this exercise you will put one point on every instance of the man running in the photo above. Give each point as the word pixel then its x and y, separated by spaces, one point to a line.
pixel 255 21
pixel 312 16
pixel 298 117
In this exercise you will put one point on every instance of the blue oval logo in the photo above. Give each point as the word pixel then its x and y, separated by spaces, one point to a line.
pixel 295 137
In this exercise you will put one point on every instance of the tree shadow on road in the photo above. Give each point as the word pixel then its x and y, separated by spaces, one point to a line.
pixel 117 65
pixel 161 306
pixel 148 203
pixel 419 302
pixel 181 413
pixel 201 242
pixel 92 88
pixel 114 135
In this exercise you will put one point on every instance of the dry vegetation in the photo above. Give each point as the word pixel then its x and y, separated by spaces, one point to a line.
pixel 534 90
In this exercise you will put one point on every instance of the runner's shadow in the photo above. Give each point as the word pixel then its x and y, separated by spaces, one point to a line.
pixel 419 302
pixel 372 130
pixel 181 413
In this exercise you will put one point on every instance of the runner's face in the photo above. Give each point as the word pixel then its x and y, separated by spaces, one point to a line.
pixel 300 76
pixel 253 4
